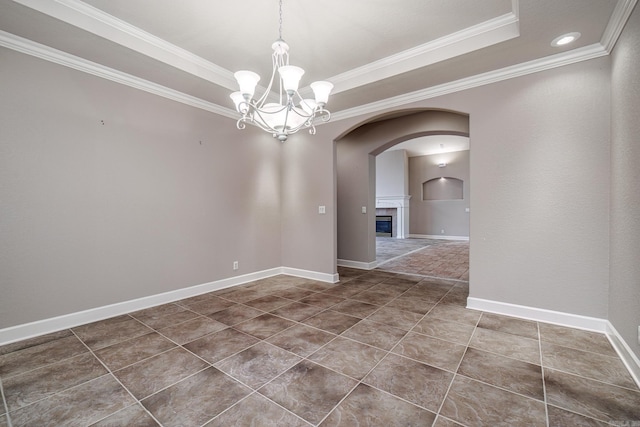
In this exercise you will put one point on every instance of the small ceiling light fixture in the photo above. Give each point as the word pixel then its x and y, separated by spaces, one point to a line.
pixel 565 39
pixel 291 113
pixel 442 165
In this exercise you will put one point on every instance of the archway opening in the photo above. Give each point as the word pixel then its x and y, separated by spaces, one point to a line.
pixel 356 153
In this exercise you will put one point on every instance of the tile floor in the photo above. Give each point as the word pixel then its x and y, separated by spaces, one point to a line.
pixel 377 349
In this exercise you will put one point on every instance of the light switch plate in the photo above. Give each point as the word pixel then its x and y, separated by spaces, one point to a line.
pixel 364 209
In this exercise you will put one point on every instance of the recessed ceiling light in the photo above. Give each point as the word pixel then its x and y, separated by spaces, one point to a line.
pixel 565 39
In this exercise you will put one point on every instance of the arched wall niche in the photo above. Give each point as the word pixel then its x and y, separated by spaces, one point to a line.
pixel 355 171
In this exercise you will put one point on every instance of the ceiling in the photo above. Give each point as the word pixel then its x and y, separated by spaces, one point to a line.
pixel 378 53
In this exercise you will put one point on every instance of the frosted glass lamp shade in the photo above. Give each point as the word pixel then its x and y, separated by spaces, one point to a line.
pixel 247 81
pixel 239 102
pixel 321 90
pixel 291 76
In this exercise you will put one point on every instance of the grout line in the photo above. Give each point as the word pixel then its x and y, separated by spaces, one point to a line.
pixel 544 383
pixel 4 403
pixel 110 372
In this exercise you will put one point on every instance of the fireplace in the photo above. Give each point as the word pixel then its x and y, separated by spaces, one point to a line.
pixel 384 225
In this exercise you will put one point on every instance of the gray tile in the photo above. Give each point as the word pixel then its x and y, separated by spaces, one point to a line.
pixel 332 321
pixel 409 303
pixel 235 314
pixel 23 389
pixel 449 331
pixel 41 353
pixel 264 326
pixel 348 357
pixel 258 364
pixel 208 304
pixel 297 311
pixel 415 382
pixel 375 334
pixel 321 300
pixel 147 377
pixel 301 340
pixel 511 374
pixel 591 398
pixel 445 422
pixel 126 353
pixel 268 303
pixel 110 331
pixel 295 294
pixel 34 342
pixel 400 319
pixel 76 407
pixel 586 364
pixel 257 411
pixel 133 416
pixel 470 402
pixel 195 400
pixel 575 338
pixel 164 315
pixel 508 345
pixel 297 390
pixel 456 314
pixel 171 319
pixel 432 351
pixel 219 345
pixel 192 329
pixel 509 325
pixel 561 418
pixel 375 298
pixel 355 308
pixel 366 406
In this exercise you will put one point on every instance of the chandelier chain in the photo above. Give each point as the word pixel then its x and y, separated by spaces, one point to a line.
pixel 280 22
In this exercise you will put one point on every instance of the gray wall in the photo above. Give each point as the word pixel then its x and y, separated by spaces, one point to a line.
pixel 430 217
pixel 539 174
pixel 160 197
pixel 392 173
pixel 624 277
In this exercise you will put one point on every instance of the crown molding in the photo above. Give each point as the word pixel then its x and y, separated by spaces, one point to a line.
pixel 476 37
pixel 616 23
pixel 95 21
pixel 47 53
pixel 559 60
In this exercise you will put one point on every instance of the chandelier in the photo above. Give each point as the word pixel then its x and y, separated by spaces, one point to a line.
pixel 292 112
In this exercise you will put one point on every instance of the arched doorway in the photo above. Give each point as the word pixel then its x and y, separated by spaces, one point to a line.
pixel 355 159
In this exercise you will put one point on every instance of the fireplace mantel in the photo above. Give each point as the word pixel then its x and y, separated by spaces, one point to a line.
pixel 401 203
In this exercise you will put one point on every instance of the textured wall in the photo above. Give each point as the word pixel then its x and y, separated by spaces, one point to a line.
pixel 110 194
pixel 624 295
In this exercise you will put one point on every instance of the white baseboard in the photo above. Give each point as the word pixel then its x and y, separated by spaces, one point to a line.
pixel 539 314
pixel 357 264
pixel 323 277
pixel 439 237
pixel 595 324
pixel 58 323
pixel 628 357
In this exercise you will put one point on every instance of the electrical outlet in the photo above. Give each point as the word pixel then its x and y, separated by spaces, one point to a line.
pixel 322 209
pixel 442 231
pixel 235 265
pixel 364 209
